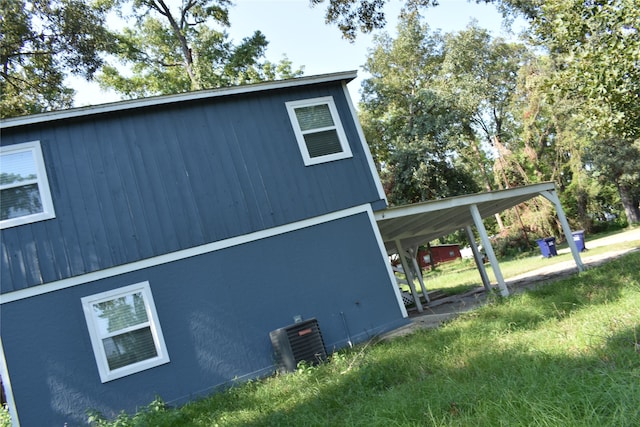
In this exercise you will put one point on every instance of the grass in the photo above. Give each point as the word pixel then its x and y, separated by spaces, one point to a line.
pixel 566 354
pixel 460 276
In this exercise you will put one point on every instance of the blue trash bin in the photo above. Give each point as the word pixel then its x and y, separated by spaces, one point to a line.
pixel 544 248
pixel 551 242
pixel 578 238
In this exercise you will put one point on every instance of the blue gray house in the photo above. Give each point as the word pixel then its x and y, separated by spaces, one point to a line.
pixel 149 247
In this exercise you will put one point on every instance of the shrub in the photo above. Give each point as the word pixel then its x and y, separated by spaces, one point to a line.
pixel 5 418
pixel 512 243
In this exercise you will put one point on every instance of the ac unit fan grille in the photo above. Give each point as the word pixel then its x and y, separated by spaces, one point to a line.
pixel 297 343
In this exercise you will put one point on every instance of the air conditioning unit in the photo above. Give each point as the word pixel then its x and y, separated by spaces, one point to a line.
pixel 296 343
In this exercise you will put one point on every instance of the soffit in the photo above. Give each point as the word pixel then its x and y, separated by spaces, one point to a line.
pixel 419 223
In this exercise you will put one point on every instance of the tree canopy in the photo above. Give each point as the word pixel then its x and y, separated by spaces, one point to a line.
pixel 413 129
pixel 445 114
pixel 42 41
pixel 575 113
pixel 161 49
pixel 596 49
pixel 364 16
pixel 172 49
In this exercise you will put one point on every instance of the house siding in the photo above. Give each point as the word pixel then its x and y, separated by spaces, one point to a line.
pixel 216 310
pixel 135 184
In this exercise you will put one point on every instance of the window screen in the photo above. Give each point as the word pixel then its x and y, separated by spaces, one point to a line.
pixel 316 116
pixel 318 130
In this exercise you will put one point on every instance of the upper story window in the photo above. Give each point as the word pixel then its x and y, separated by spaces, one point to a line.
pixel 318 130
pixel 24 188
pixel 124 330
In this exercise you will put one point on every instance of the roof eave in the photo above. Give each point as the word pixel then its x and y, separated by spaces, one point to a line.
pixel 346 76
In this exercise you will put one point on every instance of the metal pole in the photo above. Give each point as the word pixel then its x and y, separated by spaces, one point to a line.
pixel 478 258
pixel 553 198
pixel 416 268
pixel 407 273
pixel 486 243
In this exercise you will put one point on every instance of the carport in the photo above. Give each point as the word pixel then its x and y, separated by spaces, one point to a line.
pixel 405 228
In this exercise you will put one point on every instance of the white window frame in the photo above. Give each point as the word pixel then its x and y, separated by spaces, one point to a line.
pixel 107 374
pixel 41 180
pixel 342 137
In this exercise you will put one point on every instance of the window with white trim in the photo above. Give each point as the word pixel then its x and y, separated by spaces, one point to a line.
pixel 125 331
pixel 24 189
pixel 318 130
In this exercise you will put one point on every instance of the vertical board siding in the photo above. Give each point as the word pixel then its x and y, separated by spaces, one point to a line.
pixel 48 270
pixel 216 333
pixel 141 183
pixel 147 179
pixel 5 265
pixel 66 240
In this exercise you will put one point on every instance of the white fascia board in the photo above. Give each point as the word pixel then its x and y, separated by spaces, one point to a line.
pixel 179 255
pixel 452 202
pixel 8 391
pixel 169 99
pixel 383 254
pixel 365 147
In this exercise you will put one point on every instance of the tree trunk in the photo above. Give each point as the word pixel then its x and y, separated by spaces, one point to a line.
pixel 582 199
pixel 630 204
pixel 484 174
pixel 187 55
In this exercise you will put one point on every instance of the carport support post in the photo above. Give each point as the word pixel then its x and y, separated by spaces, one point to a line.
pixel 553 198
pixel 416 268
pixel 409 276
pixel 486 244
pixel 478 258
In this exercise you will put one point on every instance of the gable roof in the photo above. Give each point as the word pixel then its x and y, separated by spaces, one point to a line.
pixel 345 76
pixel 419 223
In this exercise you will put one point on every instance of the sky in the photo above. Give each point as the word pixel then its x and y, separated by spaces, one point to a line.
pixel 296 30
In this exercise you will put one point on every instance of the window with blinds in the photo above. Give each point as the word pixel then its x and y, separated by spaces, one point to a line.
pixel 318 130
pixel 125 332
pixel 24 188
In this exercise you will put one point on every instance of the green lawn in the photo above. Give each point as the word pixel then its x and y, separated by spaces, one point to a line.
pixel 567 354
pixel 461 275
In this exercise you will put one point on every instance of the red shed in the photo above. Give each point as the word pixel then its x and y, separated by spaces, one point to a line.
pixel 440 253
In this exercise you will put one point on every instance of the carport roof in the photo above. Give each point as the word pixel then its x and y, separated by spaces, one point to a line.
pixel 419 223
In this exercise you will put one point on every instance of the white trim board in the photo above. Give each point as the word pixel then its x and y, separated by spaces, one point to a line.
pixel 6 382
pixel 179 255
pixel 98 334
pixel 169 99
pixel 345 151
pixel 42 181
pixel 365 146
pixel 390 274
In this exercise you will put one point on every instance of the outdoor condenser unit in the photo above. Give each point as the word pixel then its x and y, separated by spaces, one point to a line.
pixel 296 343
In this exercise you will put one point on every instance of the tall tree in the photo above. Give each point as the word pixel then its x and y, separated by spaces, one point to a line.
pixel 618 161
pixel 177 49
pixel 479 74
pixel 354 16
pixel 42 41
pixel 411 127
pixel 595 48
